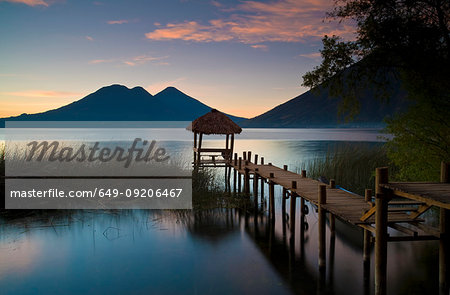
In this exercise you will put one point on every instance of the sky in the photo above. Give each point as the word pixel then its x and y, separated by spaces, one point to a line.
pixel 241 57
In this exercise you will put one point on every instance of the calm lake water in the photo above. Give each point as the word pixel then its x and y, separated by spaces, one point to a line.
pixel 219 251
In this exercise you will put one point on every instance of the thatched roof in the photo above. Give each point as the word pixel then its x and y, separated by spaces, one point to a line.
pixel 214 122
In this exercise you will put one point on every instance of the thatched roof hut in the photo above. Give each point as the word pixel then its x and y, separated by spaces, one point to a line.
pixel 214 122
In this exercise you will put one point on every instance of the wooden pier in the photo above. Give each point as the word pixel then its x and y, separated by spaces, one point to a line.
pixel 372 213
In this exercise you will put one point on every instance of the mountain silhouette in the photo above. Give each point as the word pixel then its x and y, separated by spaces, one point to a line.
pixel 316 109
pixel 119 103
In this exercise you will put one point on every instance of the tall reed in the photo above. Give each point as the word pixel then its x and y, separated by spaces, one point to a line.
pixel 351 165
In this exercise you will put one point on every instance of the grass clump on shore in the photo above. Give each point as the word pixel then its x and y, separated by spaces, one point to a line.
pixel 351 165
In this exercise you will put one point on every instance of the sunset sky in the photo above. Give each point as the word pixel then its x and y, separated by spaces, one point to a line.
pixel 242 57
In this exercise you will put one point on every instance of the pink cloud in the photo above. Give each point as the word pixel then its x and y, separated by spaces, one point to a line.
pixel 29 2
pixel 89 38
pixel 117 22
pixel 254 22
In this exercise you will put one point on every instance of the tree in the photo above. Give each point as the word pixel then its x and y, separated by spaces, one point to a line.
pixel 406 41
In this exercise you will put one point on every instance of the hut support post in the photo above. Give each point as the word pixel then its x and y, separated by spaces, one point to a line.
pixel 381 203
pixel 444 242
pixel 232 144
pixel 195 146
pixel 322 197
pixel 199 147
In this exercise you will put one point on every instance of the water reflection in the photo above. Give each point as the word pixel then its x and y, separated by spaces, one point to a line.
pixel 208 251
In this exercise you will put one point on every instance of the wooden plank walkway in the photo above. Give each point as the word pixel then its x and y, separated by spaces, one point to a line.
pixel 347 206
pixel 431 193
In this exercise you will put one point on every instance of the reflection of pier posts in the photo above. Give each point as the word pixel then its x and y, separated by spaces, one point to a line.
pixel 331 260
pixel 322 198
pixel 381 203
pixel 292 208
pixel 444 242
pixel 302 227
pixel 367 248
pixel 302 222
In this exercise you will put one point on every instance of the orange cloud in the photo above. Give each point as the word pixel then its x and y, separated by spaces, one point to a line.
pixel 117 22
pixel 43 93
pixel 29 2
pixel 254 22
pixel 89 38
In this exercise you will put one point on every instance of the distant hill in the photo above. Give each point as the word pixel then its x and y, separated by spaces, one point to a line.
pixel 319 110
pixel 119 103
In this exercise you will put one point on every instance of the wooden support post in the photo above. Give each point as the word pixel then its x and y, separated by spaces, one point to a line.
pixel 249 156
pixel 256 159
pixel 262 160
pixel 283 201
pixel 332 224
pixel 239 182
pixel 304 173
pixel 381 236
pixel 246 181
pixel 444 242
pixel 244 156
pixel 322 197
pixel 240 163
pixel 272 198
pixel 226 141
pixel 332 183
pixel 284 197
pixel 234 180
pixel 292 208
pixel 255 186
pixel 235 159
